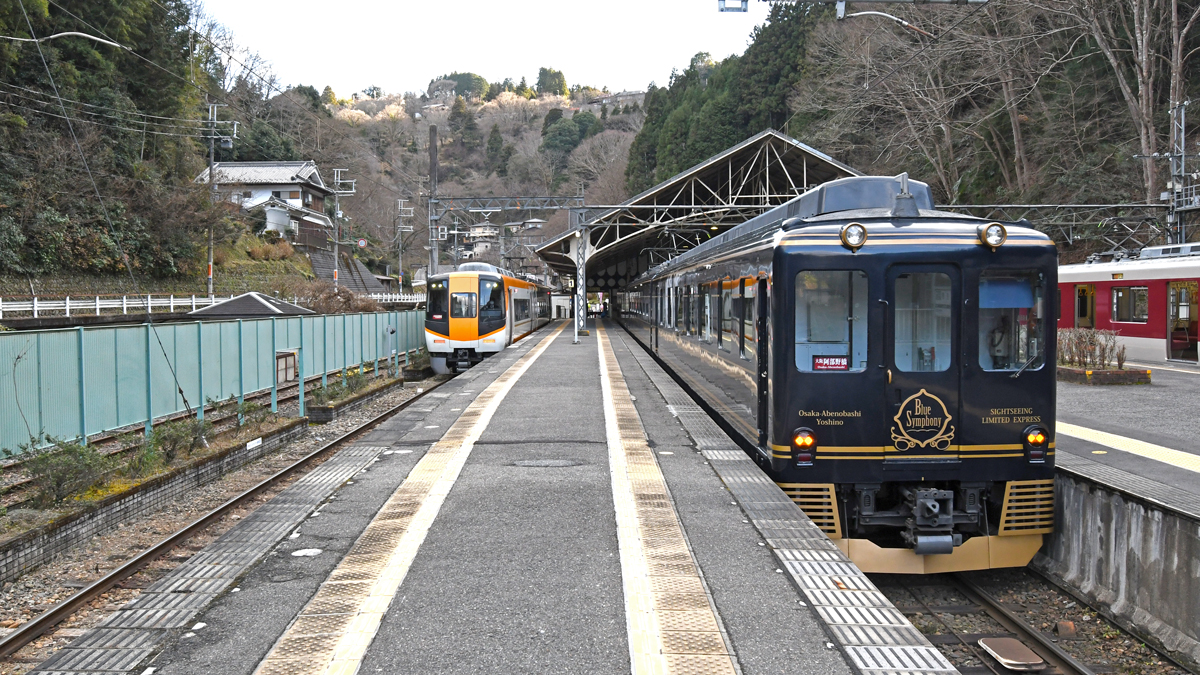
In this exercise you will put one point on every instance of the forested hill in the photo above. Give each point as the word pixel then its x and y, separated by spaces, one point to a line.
pixel 711 106
pixel 1058 101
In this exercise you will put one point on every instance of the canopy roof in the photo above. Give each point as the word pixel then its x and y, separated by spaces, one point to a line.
pixel 682 212
pixel 249 305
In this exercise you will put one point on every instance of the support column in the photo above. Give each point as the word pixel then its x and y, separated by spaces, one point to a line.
pixel 241 372
pixel 274 370
pixel 149 387
pixel 300 367
pixel 200 369
pixel 82 391
pixel 582 243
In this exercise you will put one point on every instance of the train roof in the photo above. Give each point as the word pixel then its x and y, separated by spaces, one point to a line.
pixel 1132 269
pixel 856 197
pixel 487 268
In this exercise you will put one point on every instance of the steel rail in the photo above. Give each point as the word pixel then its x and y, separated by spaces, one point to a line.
pixel 1050 652
pixel 47 620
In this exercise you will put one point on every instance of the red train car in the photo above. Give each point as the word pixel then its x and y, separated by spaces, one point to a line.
pixel 1151 301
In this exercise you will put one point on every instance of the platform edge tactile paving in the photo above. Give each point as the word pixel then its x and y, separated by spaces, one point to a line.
pixel 875 637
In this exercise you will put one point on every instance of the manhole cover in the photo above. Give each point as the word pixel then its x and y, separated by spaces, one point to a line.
pixel 547 462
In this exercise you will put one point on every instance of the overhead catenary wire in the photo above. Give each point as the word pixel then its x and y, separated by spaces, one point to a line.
pixel 108 219
pixel 102 124
pixel 66 34
pixel 142 118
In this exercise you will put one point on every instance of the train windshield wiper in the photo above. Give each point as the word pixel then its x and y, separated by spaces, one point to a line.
pixel 1027 364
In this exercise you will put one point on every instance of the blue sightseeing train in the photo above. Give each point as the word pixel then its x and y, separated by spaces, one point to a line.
pixel 889 365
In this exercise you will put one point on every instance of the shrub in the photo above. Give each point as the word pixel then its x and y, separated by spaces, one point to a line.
pixel 184 436
pixel 1089 348
pixel 330 392
pixel 253 415
pixel 146 459
pixel 356 380
pixel 64 469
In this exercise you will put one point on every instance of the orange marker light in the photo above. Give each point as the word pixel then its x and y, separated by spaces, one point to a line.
pixel 1036 438
pixel 805 440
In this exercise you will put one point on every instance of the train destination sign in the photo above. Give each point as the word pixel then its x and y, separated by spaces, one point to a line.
pixel 831 362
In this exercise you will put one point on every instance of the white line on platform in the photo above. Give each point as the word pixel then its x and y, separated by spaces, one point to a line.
pixel 1183 460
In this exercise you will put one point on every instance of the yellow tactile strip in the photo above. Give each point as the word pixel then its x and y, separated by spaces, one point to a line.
pixel 673 627
pixel 332 633
pixel 1183 460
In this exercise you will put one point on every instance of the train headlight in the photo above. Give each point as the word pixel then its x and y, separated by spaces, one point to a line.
pixel 804 444
pixel 992 235
pixel 1036 440
pixel 854 235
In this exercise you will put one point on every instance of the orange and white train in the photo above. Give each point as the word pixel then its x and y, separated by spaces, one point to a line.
pixel 478 311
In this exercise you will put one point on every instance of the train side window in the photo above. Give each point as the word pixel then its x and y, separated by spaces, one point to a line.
pixel 831 321
pixel 923 326
pixel 705 314
pixel 726 333
pixel 520 309
pixel 1131 304
pixel 749 339
pixel 462 305
pixel 1011 322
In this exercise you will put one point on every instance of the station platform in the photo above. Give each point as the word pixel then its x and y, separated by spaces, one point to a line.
pixel 1141 440
pixel 560 508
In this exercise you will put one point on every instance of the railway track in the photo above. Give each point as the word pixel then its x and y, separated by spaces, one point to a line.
pixel 962 639
pixel 47 620
pixel 956 611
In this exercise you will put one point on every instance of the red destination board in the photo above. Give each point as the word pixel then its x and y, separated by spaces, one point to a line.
pixel 831 363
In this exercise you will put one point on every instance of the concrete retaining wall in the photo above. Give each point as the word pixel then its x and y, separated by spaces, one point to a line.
pixel 41 545
pixel 324 414
pixel 1136 559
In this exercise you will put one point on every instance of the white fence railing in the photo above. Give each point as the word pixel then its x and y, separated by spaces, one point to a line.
pixel 94 305
pixel 138 304
pixel 414 298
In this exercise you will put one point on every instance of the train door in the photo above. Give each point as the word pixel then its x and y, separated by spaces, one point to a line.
pixel 1085 306
pixel 1182 319
pixel 921 357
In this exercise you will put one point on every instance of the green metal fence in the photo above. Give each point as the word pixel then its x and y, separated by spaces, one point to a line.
pixel 74 383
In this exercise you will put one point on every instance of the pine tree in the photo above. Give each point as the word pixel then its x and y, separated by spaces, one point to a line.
pixel 603 111
pixel 495 147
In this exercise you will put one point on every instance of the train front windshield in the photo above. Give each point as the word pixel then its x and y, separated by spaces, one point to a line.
pixel 437 302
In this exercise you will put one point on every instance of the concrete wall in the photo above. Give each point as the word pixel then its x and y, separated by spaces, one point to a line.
pixel 1139 561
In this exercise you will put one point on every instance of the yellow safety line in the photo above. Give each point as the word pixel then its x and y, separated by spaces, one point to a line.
pixel 330 636
pixel 672 625
pixel 1183 460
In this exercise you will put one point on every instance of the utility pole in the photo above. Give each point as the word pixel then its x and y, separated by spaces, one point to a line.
pixel 213 179
pixel 402 212
pixel 433 200
pixel 338 191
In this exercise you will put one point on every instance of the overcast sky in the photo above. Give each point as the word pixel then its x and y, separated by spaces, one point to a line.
pixel 402 45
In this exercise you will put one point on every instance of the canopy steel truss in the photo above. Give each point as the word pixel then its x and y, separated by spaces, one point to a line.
pixel 1122 228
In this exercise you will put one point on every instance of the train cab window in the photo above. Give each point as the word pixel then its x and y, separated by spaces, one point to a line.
pixel 491 300
pixel 922 322
pixel 1010 320
pixel 748 307
pixel 462 305
pixel 831 321
pixel 436 305
pixel 1131 304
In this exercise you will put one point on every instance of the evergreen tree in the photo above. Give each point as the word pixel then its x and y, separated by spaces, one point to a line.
pixel 495 146
pixel 327 95
pixel 462 123
pixel 603 111
pixel 524 90
pixel 551 81
pixel 553 116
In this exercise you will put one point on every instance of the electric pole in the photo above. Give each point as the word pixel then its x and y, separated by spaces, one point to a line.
pixel 402 212
pixel 339 189
pixel 212 179
pixel 433 200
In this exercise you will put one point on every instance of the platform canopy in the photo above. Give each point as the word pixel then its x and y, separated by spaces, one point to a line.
pixel 724 190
